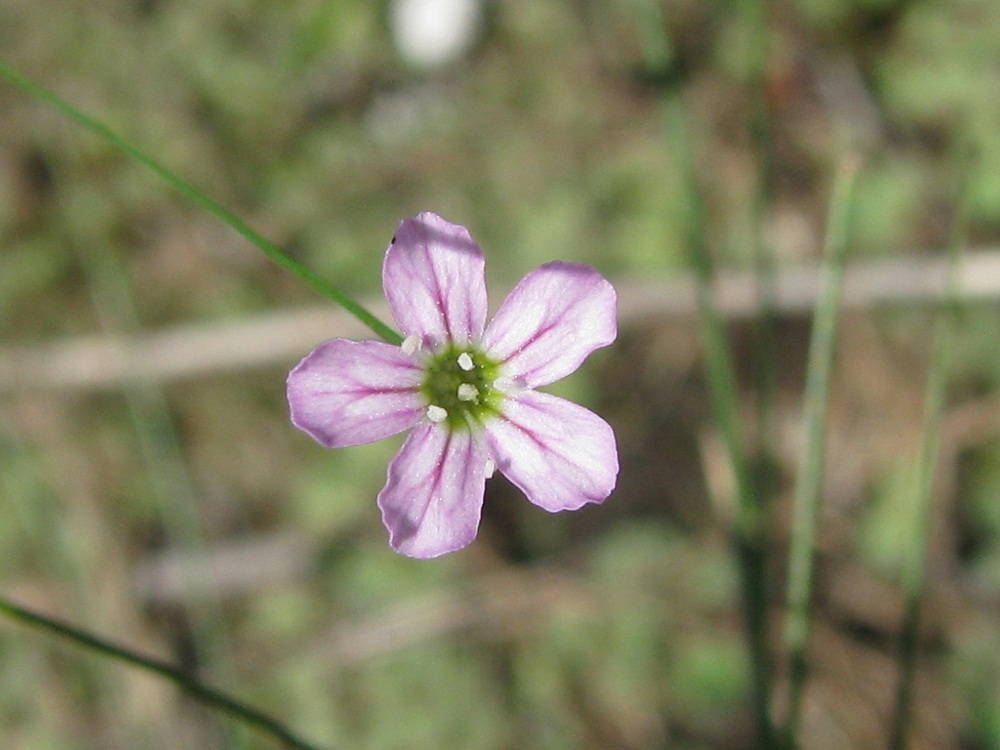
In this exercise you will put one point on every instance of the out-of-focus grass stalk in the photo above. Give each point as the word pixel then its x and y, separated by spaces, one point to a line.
pixel 755 28
pixel 195 195
pixel 203 693
pixel 42 518
pixel 63 554
pixel 915 555
pixel 748 531
pixel 809 481
pixel 149 413
pixel 170 482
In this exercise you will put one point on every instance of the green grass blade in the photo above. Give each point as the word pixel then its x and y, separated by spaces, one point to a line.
pixel 168 476
pixel 749 532
pixel 62 554
pixel 749 540
pixel 192 193
pixel 754 22
pixel 809 481
pixel 914 561
pixel 203 693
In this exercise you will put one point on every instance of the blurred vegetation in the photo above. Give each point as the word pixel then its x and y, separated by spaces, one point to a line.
pixel 614 627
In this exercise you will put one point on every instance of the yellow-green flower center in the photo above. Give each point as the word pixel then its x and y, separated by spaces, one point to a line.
pixel 460 387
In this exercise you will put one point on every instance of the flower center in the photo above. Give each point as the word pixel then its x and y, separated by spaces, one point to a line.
pixel 460 387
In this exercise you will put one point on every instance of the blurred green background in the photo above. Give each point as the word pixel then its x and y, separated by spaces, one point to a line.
pixel 168 502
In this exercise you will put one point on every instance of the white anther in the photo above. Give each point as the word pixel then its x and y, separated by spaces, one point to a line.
pixel 506 385
pixel 465 362
pixel 436 414
pixel 490 467
pixel 410 345
pixel 467 392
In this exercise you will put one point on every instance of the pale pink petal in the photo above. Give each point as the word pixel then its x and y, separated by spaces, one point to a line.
pixel 559 454
pixel 349 392
pixel 551 321
pixel 434 493
pixel 434 279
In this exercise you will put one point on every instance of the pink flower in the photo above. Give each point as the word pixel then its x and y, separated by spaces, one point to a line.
pixel 466 388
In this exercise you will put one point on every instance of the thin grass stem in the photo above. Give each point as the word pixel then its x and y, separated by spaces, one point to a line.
pixel 755 24
pixel 758 496
pixel 915 559
pixel 63 552
pixel 747 527
pixel 205 694
pixel 809 480
pixel 189 191
pixel 169 479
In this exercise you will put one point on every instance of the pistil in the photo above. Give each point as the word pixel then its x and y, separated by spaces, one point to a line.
pixel 459 386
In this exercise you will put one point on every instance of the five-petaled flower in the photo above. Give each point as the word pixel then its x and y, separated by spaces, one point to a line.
pixel 466 388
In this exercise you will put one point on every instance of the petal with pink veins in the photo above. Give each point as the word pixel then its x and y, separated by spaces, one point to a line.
pixel 434 494
pixel 349 392
pixel 434 280
pixel 561 455
pixel 551 321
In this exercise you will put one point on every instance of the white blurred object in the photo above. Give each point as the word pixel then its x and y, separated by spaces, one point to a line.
pixel 432 33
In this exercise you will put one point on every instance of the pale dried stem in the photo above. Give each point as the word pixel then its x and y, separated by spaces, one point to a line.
pixel 282 337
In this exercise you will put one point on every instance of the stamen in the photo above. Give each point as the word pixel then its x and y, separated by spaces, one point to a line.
pixel 506 385
pixel 467 392
pixel 490 467
pixel 458 383
pixel 410 345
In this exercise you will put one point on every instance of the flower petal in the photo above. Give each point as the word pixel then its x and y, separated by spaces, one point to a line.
pixel 434 494
pixel 349 392
pixel 434 279
pixel 551 321
pixel 559 454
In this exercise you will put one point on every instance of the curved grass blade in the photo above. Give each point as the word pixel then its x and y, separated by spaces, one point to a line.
pixel 809 481
pixel 915 560
pixel 748 530
pixel 193 194
pixel 198 690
